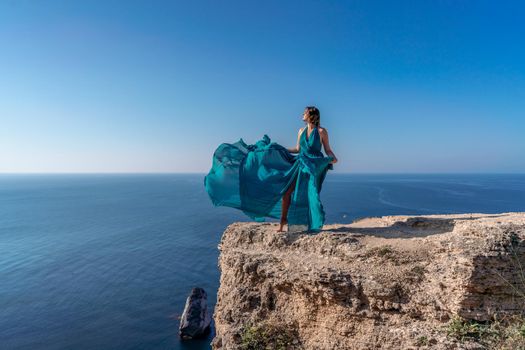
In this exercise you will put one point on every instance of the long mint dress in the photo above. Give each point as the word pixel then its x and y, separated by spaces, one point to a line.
pixel 254 178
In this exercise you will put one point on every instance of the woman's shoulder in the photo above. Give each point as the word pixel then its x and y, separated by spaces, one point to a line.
pixel 323 134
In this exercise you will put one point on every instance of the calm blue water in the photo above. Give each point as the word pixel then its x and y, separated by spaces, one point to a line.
pixel 107 261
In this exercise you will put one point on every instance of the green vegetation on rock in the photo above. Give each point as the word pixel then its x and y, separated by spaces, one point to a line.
pixel 502 334
pixel 268 336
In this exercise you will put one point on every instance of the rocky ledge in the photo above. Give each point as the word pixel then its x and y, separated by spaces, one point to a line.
pixel 393 282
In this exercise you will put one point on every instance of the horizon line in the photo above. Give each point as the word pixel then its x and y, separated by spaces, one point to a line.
pixel 204 173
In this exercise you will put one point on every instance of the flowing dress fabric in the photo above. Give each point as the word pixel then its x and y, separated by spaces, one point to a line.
pixel 254 178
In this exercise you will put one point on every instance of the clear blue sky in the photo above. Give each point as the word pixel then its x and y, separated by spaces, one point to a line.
pixel 156 86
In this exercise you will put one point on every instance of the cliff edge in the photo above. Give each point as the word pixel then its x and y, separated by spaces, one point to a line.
pixel 395 282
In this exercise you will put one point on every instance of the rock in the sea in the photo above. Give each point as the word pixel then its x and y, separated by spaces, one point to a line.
pixel 379 283
pixel 195 320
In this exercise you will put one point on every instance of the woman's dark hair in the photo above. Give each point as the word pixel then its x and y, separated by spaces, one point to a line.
pixel 314 116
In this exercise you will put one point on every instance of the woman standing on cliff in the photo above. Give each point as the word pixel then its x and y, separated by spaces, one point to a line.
pixel 268 180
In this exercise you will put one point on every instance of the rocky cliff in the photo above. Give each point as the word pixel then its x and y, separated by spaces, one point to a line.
pixel 393 282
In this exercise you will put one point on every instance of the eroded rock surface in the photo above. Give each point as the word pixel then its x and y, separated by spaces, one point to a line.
pixel 377 283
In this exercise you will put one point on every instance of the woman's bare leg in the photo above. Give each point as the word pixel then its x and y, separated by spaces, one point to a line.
pixel 287 198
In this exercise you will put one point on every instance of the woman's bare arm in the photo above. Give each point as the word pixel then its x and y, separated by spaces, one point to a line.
pixel 326 144
pixel 296 148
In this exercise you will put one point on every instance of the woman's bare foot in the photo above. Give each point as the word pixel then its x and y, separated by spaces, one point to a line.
pixel 281 225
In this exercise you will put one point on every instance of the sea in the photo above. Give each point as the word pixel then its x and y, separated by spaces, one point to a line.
pixel 106 261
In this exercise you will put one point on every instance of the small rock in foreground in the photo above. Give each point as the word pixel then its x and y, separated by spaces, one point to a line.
pixel 195 320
